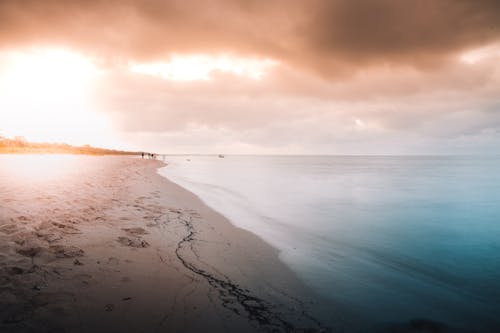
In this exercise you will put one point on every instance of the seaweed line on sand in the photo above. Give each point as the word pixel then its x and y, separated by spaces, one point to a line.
pixel 234 297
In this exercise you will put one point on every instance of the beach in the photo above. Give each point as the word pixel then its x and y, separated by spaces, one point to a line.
pixel 91 244
pixel 398 241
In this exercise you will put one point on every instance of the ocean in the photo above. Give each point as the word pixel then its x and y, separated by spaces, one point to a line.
pixel 390 238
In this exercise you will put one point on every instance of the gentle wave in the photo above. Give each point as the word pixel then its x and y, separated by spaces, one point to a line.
pixel 392 238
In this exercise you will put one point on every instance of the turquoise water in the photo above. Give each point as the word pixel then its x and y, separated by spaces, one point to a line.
pixel 390 238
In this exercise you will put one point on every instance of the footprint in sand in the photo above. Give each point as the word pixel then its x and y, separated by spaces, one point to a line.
pixel 133 242
pixel 14 270
pixel 77 262
pixel 113 261
pixel 49 237
pixel 109 307
pixel 9 229
pixel 177 211
pixel 67 229
pixel 29 251
pixel 135 231
pixel 84 278
pixel 62 251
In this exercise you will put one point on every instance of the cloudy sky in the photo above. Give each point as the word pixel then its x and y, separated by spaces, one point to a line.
pixel 273 77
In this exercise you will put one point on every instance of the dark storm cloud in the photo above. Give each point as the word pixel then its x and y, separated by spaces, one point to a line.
pixel 412 31
pixel 328 36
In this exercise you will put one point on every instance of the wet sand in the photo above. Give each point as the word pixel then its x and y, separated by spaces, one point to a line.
pixel 105 244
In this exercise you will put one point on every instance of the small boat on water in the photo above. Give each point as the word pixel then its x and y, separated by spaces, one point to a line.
pixel 221 156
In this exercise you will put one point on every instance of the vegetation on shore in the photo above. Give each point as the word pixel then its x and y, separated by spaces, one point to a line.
pixel 19 145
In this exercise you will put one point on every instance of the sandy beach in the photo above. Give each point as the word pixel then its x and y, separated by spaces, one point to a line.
pixel 106 244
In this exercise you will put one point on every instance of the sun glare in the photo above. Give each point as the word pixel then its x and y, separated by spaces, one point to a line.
pixel 45 95
pixel 476 55
pixel 201 67
pixel 37 169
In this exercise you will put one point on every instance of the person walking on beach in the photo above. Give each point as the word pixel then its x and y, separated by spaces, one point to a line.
pixel 142 155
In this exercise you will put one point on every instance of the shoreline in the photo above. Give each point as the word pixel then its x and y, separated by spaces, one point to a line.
pixel 119 247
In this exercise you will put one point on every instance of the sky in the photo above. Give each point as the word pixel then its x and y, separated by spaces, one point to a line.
pixel 254 77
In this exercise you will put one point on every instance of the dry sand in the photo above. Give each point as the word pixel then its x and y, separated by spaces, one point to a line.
pixel 105 244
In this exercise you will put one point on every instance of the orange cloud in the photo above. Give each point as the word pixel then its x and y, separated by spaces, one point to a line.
pixel 328 37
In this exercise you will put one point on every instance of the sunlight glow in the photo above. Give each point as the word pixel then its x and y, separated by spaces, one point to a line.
pixel 45 96
pixel 474 56
pixel 201 67
pixel 37 169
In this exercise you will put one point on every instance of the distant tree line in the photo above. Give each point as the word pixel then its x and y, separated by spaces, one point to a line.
pixel 19 145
